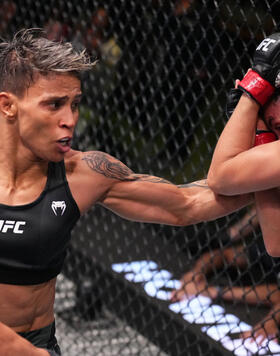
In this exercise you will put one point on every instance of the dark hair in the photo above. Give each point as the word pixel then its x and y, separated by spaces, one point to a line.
pixel 30 53
pixel 274 97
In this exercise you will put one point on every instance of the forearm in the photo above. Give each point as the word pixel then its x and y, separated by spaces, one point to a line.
pixel 236 138
pixel 205 205
pixel 268 211
pixel 149 199
pixel 239 131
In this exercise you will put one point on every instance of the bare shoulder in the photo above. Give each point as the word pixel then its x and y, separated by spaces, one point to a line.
pixel 106 165
pixel 89 173
pixel 103 167
pixel 96 162
pixel 112 168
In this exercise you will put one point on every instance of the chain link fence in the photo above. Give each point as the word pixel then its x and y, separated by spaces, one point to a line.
pixel 156 101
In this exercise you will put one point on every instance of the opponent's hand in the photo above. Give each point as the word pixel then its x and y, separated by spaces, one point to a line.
pixel 261 81
pixel 232 100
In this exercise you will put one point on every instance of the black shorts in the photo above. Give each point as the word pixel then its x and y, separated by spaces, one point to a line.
pixel 53 353
pixel 44 338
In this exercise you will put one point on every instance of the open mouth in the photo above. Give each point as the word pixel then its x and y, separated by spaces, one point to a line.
pixel 65 141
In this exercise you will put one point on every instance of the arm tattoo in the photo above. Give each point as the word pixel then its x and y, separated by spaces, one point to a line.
pixel 199 183
pixel 102 163
pixel 111 168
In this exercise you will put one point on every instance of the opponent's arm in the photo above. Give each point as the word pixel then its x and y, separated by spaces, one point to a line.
pixel 267 201
pixel 237 167
pixel 148 198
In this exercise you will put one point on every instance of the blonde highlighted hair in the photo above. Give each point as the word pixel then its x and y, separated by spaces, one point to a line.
pixel 30 53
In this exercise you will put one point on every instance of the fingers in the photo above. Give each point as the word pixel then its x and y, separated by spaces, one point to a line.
pixel 177 295
pixel 260 334
pixel 254 337
pixel 236 83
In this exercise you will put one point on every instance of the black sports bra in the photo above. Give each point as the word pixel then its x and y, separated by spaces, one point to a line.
pixel 34 237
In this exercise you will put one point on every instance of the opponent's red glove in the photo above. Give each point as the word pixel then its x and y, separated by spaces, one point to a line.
pixel 264 136
pixel 261 81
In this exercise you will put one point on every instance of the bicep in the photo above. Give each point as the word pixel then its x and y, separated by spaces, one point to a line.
pixel 138 197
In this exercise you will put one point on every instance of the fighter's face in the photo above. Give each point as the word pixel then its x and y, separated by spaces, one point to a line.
pixel 47 115
pixel 272 116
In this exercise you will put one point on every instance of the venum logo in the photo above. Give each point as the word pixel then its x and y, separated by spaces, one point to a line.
pixel 58 207
pixel 14 226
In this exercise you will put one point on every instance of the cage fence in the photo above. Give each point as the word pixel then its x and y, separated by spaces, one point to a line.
pixel 156 100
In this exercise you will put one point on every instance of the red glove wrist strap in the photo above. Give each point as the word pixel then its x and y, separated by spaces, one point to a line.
pixel 264 137
pixel 259 88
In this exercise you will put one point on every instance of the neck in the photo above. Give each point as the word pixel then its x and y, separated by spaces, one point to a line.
pixel 16 161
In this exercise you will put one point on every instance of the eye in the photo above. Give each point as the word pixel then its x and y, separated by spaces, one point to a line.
pixel 55 105
pixel 75 105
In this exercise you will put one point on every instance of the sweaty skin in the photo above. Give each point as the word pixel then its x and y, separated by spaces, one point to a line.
pixel 38 128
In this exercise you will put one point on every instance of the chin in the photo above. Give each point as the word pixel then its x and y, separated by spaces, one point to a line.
pixel 51 158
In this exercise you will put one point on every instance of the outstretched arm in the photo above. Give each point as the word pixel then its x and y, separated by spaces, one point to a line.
pixel 151 199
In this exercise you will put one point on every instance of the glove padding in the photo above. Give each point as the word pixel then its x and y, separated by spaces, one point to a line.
pixel 261 81
pixel 232 100
pixel 264 136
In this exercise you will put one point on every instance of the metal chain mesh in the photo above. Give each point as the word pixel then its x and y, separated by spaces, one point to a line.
pixel 156 101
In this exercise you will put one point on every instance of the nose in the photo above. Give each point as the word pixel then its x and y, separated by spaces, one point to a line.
pixel 68 119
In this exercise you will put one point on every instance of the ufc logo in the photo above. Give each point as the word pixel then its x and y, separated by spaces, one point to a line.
pixel 15 226
pixel 265 44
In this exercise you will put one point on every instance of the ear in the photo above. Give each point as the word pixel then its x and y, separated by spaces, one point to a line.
pixel 8 105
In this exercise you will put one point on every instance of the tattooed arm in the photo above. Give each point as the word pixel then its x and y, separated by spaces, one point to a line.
pixel 146 198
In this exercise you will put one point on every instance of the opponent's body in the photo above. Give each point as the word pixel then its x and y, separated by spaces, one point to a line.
pixel 38 114
pixel 237 166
